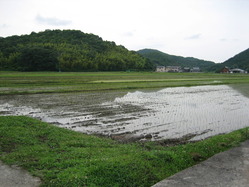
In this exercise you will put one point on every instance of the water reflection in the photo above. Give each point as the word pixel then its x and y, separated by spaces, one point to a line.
pixel 201 111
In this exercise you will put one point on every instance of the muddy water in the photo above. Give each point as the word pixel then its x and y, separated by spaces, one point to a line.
pixel 201 111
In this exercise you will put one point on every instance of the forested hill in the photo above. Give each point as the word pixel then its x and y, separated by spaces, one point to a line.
pixel 160 58
pixel 67 50
pixel 240 60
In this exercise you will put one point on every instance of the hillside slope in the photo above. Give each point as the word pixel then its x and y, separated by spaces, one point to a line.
pixel 67 50
pixel 160 58
pixel 241 60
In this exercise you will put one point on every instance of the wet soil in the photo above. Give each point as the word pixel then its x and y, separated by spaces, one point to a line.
pixel 168 114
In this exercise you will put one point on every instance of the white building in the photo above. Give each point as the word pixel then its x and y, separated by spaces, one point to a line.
pixel 160 69
pixel 195 69
pixel 168 69
pixel 237 70
pixel 173 69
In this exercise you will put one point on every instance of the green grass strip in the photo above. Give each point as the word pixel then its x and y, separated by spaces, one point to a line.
pixel 13 83
pixel 61 157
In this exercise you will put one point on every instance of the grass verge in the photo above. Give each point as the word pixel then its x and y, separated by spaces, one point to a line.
pixel 61 157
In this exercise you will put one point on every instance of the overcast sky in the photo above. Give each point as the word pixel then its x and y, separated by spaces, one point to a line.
pixel 207 29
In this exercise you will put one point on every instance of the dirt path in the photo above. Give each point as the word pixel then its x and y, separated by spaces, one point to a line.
pixel 13 176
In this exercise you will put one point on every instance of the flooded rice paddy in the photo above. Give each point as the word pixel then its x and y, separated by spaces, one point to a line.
pixel 195 112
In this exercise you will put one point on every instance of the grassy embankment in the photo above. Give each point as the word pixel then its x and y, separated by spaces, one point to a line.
pixel 40 82
pixel 62 157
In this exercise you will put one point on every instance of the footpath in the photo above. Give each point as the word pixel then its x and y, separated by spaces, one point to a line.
pixel 13 176
pixel 226 169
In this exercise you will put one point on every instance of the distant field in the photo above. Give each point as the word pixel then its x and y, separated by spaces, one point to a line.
pixel 58 82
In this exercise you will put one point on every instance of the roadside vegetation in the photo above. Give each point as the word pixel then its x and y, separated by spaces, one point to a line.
pixel 59 82
pixel 61 157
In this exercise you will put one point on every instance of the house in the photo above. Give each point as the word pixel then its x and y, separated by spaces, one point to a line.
pixel 168 69
pixel 186 69
pixel 237 70
pixel 225 70
pixel 176 69
pixel 160 69
pixel 195 69
pixel 173 69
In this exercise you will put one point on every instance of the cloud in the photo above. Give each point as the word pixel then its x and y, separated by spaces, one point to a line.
pixel 229 40
pixel 223 39
pixel 193 37
pixel 2 26
pixel 52 21
pixel 128 34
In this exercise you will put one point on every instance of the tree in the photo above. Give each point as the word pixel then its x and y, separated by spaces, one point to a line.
pixel 37 58
pixel 2 61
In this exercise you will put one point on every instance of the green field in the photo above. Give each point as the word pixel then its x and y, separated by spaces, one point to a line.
pixel 55 82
